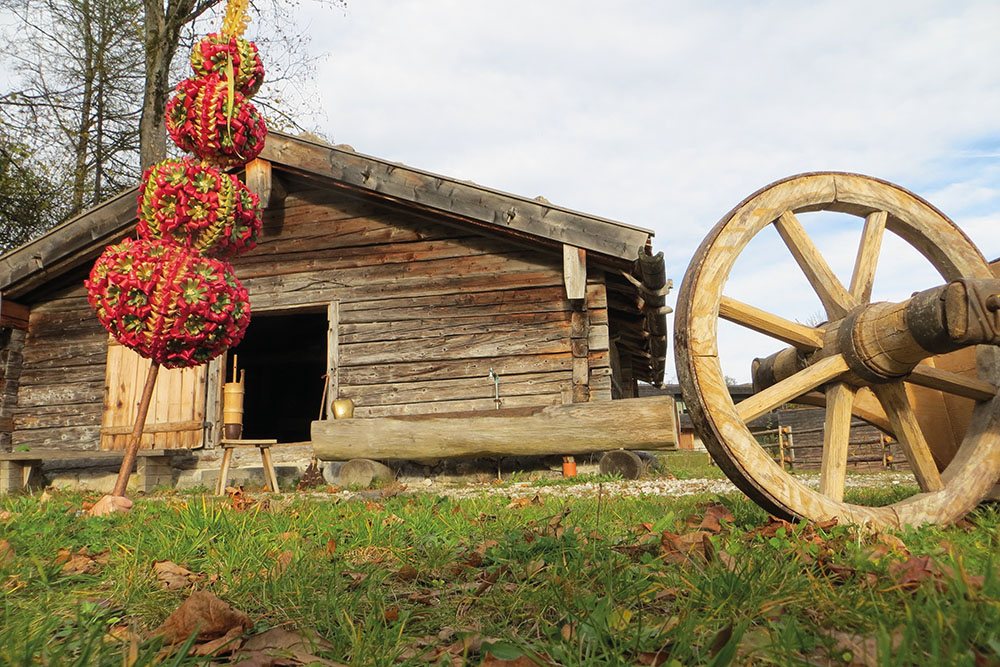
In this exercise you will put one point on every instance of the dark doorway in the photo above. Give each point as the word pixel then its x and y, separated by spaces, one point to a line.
pixel 284 357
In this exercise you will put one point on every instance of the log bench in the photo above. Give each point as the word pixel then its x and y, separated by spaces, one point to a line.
pixel 152 465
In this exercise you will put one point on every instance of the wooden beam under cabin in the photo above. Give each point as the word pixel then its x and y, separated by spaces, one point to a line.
pixel 639 423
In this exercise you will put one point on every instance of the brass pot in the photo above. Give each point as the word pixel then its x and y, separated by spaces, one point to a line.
pixel 343 408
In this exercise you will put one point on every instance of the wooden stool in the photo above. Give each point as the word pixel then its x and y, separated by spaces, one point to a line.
pixel 265 454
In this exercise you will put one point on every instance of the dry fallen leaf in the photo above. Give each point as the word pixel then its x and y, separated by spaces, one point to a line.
pixel 714 516
pixel 6 552
pixel 207 615
pixel 6 516
pixel 80 562
pixel 407 573
pixel 391 520
pixel 856 650
pixel 281 563
pixel 391 614
pixel 278 646
pixel 172 576
pixel 519 503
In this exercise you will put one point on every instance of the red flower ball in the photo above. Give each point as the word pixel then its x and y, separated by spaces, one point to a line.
pixel 173 306
pixel 198 207
pixel 201 120
pixel 210 56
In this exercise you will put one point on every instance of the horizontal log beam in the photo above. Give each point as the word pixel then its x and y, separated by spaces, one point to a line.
pixel 640 423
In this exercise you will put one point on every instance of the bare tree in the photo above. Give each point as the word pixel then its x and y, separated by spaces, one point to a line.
pixel 78 75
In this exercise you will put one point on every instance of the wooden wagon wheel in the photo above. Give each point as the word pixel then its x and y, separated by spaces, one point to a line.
pixel 861 360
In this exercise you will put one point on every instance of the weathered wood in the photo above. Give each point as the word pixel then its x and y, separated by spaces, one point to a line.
pixel 863 277
pixel 907 430
pixel 480 387
pixel 793 333
pixel 262 182
pixel 644 423
pixel 391 373
pixel 837 437
pixel 416 330
pixel 496 211
pixel 491 302
pixel 975 466
pixel 622 462
pixel 836 299
pixel 462 405
pixel 550 339
pixel 575 273
pixel 790 388
pixel 333 338
pixel 14 315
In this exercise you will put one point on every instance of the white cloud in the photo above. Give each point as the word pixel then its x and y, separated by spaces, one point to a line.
pixel 666 115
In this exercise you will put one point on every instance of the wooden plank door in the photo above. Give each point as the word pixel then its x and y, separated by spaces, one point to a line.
pixel 176 415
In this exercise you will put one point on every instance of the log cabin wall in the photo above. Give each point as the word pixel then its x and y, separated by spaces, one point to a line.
pixel 60 395
pixel 426 309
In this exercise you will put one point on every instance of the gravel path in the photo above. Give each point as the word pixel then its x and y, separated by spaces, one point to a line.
pixel 645 487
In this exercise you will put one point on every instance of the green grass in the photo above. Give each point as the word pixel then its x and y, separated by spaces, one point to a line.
pixel 399 580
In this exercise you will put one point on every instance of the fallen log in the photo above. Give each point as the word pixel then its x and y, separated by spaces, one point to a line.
pixel 576 428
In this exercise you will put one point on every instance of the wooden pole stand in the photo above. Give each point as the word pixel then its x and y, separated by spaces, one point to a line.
pixel 132 448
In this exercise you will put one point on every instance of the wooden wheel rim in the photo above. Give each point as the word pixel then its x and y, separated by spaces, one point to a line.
pixel 976 465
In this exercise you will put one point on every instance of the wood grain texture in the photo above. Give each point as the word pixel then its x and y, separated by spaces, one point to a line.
pixel 791 388
pixel 643 423
pixel 908 432
pixel 976 465
pixel 836 438
pixel 835 298
pixel 793 333
pixel 866 261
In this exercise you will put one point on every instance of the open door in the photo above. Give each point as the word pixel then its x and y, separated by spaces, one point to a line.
pixel 286 359
pixel 176 418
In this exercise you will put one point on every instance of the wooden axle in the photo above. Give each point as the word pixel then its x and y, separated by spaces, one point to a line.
pixel 882 342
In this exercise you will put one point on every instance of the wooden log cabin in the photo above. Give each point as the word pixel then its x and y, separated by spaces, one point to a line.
pixel 374 281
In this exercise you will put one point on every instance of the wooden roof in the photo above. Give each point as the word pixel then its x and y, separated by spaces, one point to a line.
pixel 463 202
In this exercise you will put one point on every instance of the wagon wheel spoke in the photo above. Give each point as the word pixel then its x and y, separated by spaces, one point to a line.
pixel 836 299
pixel 868 251
pixel 798 335
pixel 836 438
pixel 952 383
pixel 791 387
pixel 897 406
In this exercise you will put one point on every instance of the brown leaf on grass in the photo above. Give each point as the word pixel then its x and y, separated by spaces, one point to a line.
pixel 278 646
pixel 653 659
pixel 81 562
pixel 331 548
pixel 281 563
pixel 206 615
pixel 355 578
pixel 240 500
pixel 391 614
pixel 483 546
pixel 172 576
pixel 6 552
pixel 391 520
pixel 407 573
pixel 554 527
pixel 392 491
pixel 913 571
pixel 372 506
pixel 6 516
pixel 856 650
pixel 714 516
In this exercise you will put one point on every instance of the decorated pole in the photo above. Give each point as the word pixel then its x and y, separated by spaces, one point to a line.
pixel 170 293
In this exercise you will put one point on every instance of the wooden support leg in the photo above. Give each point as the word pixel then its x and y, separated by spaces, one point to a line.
pixel 154 471
pixel 269 474
pixel 227 457
pixel 11 476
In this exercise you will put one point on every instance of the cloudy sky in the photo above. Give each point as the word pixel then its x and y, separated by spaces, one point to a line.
pixel 666 114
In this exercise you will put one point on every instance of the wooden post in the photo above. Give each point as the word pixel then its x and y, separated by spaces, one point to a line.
pixel 140 420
